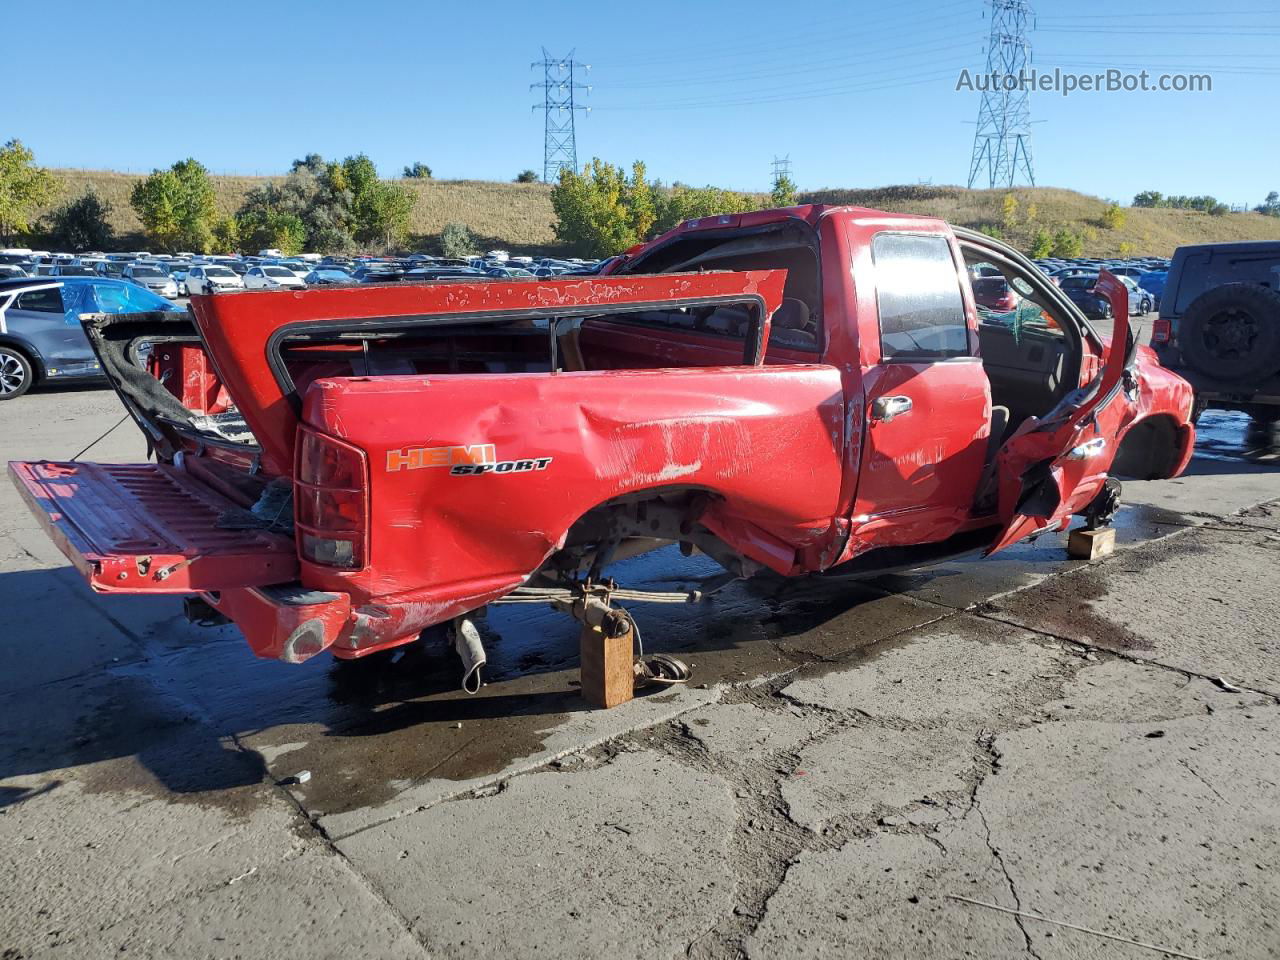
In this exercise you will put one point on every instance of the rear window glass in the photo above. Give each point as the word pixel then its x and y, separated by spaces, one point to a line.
pixel 918 290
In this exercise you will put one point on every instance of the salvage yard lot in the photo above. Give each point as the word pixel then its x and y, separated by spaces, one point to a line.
pixel 1028 732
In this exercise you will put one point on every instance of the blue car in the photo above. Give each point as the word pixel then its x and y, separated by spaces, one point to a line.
pixel 1153 283
pixel 41 340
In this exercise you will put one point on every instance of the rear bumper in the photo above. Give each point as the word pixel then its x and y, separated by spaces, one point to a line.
pixel 288 623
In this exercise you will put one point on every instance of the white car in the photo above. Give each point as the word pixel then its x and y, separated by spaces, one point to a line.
pixel 212 278
pixel 272 278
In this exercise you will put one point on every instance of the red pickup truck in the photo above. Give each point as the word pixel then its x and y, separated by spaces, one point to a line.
pixel 802 390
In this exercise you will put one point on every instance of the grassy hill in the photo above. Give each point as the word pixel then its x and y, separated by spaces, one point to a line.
pixel 518 216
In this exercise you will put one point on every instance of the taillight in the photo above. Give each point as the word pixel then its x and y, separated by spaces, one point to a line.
pixel 1162 330
pixel 330 501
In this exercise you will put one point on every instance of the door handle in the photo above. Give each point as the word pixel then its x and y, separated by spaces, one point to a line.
pixel 887 408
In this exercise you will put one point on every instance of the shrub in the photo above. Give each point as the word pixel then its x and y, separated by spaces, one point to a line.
pixel 784 191
pixel 992 230
pixel 1114 217
pixel 456 240
pixel 1042 243
pixel 1067 243
pixel 418 171
pixel 526 176
pixel 1009 211
pixel 82 224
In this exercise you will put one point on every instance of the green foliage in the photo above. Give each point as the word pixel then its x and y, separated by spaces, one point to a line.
pixel 1114 217
pixel 325 206
pixel 601 211
pixel 1126 249
pixel 1271 206
pixel 688 203
pixel 82 224
pixel 992 230
pixel 784 191
pixel 1067 243
pixel 1042 243
pixel 527 176
pixel 1204 204
pixel 226 236
pixel 418 171
pixel 456 240
pixel 176 207
pixel 24 187
pixel 1009 211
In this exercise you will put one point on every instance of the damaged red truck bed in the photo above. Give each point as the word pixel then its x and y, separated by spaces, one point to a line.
pixel 801 391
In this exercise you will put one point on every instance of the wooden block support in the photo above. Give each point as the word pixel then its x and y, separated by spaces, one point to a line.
pixel 1091 544
pixel 606 668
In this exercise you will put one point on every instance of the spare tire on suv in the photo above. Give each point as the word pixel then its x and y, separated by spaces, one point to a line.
pixel 1232 332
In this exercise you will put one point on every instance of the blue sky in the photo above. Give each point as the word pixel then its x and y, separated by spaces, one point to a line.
pixel 856 93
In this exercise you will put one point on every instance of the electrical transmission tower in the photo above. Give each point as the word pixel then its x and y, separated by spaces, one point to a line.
pixel 781 168
pixel 560 148
pixel 1002 142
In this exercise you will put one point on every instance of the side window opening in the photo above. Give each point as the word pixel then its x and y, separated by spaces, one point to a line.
pixel 1029 352
pixel 922 315
pixel 41 301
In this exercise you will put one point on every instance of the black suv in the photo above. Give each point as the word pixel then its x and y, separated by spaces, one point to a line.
pixel 1219 327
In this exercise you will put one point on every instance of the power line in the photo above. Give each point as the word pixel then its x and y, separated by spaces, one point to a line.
pixel 560 143
pixel 1002 142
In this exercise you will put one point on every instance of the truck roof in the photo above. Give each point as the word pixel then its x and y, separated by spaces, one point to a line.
pixel 1251 247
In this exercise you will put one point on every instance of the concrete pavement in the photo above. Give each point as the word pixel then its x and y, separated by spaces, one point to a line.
pixel 1092 743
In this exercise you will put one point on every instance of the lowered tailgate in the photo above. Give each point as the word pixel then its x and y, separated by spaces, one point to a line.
pixel 149 528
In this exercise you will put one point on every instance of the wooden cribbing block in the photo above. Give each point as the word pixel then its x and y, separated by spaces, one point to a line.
pixel 606 671
pixel 1091 544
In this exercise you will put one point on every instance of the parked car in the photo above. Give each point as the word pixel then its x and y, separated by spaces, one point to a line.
pixel 41 339
pixel 1219 326
pixel 708 374
pixel 212 278
pixel 271 278
pixel 9 271
pixel 71 270
pixel 380 273
pixel 321 276
pixel 111 268
pixel 994 293
pixel 1080 290
pixel 1153 282
pixel 153 278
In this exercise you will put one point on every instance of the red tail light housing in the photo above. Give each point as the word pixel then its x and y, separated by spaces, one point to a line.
pixel 1162 330
pixel 331 502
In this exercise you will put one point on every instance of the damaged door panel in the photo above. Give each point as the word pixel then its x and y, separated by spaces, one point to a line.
pixel 340 468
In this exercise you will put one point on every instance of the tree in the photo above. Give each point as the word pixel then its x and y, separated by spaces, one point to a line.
pixel 262 228
pixel 1271 206
pixel 1042 243
pixel 24 187
pixel 601 211
pixel 82 224
pixel 418 171
pixel 784 191
pixel 1114 217
pixel 526 176
pixel 226 236
pixel 1149 198
pixel 687 203
pixel 1009 211
pixel 379 211
pixel 456 241
pixel 1067 243
pixel 177 207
